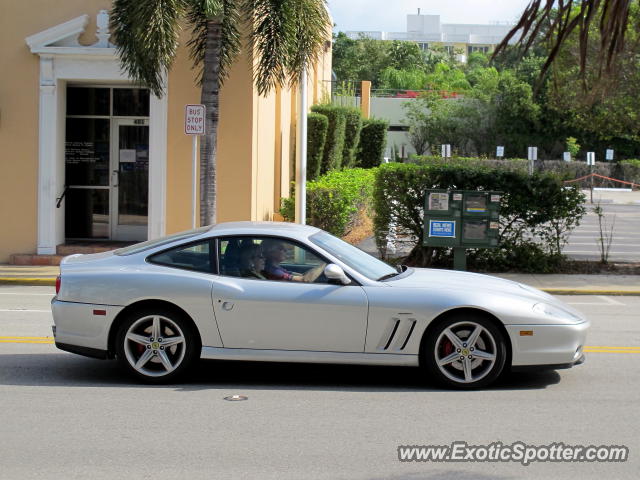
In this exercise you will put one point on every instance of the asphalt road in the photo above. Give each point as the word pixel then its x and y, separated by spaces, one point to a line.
pixel 65 416
pixel 625 246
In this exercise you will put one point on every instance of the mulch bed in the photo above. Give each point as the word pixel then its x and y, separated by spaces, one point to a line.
pixel 576 266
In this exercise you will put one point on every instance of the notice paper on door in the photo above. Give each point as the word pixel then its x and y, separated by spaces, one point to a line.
pixel 127 156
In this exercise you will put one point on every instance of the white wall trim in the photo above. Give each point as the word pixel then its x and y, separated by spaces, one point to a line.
pixel 47 178
pixel 61 63
pixel 66 33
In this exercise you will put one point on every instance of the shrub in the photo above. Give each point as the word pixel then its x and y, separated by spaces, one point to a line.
pixel 373 141
pixel 334 200
pixel 317 126
pixel 535 208
pixel 353 126
pixel 332 156
pixel 631 170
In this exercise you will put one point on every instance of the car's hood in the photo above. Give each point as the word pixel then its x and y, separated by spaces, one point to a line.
pixel 450 279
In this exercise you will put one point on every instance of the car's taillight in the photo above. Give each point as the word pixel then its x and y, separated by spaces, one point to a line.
pixel 58 283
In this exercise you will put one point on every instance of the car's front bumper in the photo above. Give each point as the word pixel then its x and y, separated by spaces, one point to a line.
pixel 553 346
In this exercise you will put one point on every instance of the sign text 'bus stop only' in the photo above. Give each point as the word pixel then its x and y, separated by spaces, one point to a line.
pixel 194 119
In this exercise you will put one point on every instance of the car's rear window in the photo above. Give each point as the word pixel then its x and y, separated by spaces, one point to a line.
pixel 158 242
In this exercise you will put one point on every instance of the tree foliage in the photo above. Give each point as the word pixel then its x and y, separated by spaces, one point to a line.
pixel 498 110
pixel 556 21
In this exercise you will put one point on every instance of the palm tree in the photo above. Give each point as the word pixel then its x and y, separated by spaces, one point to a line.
pixel 555 20
pixel 285 37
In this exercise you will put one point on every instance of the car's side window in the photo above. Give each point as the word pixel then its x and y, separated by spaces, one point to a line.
pixel 269 258
pixel 195 256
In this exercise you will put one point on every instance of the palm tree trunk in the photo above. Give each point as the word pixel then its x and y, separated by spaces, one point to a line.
pixel 210 98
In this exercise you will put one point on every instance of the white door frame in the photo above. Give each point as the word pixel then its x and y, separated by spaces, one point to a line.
pixel 64 60
pixel 121 232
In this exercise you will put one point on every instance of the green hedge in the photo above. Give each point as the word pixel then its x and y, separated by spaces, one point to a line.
pixel 353 126
pixel 334 200
pixel 317 125
pixel 332 156
pixel 373 141
pixel 537 212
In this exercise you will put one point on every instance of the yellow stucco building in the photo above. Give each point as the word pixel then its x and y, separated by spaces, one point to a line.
pixel 72 123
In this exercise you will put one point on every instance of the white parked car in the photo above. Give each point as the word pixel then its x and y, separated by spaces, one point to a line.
pixel 290 293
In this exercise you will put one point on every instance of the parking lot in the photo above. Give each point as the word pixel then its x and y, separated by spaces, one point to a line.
pixel 68 416
pixel 584 241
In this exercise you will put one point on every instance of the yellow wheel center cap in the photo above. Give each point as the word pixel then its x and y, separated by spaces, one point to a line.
pixel 465 352
pixel 155 345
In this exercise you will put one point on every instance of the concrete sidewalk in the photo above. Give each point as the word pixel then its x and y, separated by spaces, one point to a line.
pixel 561 284
pixel 552 283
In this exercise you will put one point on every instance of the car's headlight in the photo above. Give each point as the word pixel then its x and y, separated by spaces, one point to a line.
pixel 554 312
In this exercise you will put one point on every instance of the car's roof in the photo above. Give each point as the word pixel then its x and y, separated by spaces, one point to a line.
pixel 263 228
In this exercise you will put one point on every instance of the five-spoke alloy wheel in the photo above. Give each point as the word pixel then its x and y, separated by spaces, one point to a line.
pixel 465 351
pixel 156 346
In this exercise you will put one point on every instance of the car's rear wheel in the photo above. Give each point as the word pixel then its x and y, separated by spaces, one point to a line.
pixel 465 351
pixel 156 346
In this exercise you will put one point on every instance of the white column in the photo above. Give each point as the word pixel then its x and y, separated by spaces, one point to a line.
pixel 158 109
pixel 47 165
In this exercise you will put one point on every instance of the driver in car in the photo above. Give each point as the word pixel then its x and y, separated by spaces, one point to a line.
pixel 275 252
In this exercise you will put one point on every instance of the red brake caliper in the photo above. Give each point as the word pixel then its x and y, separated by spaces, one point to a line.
pixel 446 348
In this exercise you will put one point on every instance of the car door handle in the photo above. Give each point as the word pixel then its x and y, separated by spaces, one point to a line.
pixel 228 306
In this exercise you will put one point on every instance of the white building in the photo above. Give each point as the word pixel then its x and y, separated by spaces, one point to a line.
pixel 427 30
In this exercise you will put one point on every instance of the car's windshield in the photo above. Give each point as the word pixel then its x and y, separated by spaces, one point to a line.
pixel 355 258
pixel 139 247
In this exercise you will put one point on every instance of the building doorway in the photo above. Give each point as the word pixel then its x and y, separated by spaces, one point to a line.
pixel 106 163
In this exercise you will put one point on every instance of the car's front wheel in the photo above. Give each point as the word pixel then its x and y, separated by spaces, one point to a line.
pixel 465 351
pixel 156 346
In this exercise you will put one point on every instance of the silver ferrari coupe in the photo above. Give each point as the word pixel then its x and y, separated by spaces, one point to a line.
pixel 282 292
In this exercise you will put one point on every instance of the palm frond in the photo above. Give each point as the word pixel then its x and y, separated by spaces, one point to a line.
pixel 286 36
pixel 200 15
pixel 146 36
pixel 272 33
pixel 312 31
pixel 231 41
pixel 563 17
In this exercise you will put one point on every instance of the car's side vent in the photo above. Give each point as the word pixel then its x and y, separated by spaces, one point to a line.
pixel 388 334
pixel 412 322
pixel 397 334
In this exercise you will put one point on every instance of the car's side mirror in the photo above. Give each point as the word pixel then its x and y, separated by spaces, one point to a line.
pixel 335 272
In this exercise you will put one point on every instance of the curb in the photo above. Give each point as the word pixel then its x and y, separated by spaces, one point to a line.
pixel 34 281
pixel 585 291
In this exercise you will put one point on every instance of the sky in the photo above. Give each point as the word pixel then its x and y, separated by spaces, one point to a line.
pixel 377 14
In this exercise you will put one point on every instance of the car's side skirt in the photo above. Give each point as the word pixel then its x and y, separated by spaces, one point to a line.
pixel 302 356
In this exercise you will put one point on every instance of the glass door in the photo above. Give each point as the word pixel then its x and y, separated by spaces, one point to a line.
pixel 129 179
pixel 106 163
pixel 87 176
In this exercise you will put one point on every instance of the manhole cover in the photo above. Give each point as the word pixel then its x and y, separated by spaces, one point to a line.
pixel 236 398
